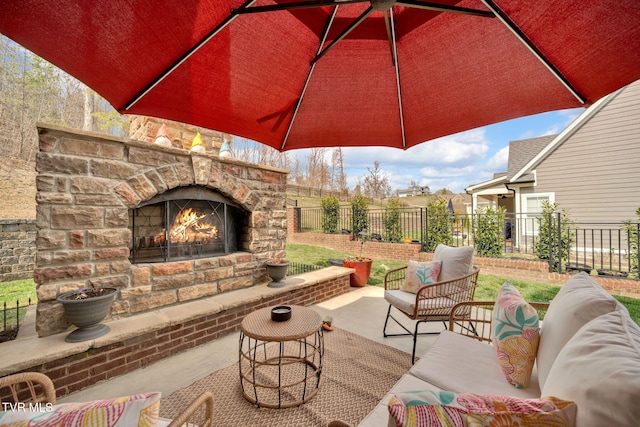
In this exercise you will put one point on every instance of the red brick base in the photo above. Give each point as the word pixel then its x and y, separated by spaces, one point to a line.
pixel 78 371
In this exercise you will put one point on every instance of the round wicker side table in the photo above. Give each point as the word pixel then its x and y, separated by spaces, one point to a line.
pixel 280 363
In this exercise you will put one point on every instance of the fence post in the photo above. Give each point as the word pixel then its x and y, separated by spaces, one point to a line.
pixel 560 243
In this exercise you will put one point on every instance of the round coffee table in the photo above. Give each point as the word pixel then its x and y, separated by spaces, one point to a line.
pixel 280 363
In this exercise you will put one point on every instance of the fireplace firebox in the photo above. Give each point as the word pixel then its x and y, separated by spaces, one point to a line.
pixel 186 223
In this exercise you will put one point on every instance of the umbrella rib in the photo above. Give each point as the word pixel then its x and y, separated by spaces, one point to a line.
pixel 397 68
pixel 391 38
pixel 533 48
pixel 344 34
pixel 306 83
pixel 233 15
pixel 444 8
pixel 295 5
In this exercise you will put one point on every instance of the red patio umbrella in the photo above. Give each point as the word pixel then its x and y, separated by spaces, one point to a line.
pixel 319 73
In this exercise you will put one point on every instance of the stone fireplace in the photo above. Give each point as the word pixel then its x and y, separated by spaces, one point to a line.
pixel 162 224
pixel 185 224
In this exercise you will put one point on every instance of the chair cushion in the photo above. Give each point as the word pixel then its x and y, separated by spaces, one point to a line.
pixel 580 300
pixel 599 369
pixel 419 274
pixel 515 335
pixel 139 410
pixel 406 302
pixel 462 364
pixel 445 408
pixel 456 261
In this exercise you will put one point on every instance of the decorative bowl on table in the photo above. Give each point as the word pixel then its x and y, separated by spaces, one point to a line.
pixel 280 313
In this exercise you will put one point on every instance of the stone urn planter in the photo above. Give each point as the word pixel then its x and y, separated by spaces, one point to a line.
pixel 277 270
pixel 85 309
pixel 363 270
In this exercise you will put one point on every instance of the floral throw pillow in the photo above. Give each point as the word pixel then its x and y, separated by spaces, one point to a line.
pixel 515 335
pixel 444 408
pixel 419 274
pixel 140 410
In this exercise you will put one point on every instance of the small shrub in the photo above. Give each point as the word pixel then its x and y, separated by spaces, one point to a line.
pixel 488 233
pixel 439 228
pixel 330 214
pixel 632 229
pixel 549 246
pixel 360 217
pixel 391 220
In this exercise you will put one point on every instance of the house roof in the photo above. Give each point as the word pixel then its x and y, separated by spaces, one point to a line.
pixel 521 152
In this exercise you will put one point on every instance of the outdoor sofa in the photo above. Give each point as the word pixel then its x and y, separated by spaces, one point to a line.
pixel 588 354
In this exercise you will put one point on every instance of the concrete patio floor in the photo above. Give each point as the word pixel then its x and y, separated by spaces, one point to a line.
pixel 361 311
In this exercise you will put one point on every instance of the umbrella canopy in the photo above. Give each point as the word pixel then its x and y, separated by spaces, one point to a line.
pixel 320 73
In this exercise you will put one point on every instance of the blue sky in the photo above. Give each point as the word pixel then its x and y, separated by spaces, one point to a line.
pixel 456 161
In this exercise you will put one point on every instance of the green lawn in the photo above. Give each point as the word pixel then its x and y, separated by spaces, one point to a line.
pixel 19 290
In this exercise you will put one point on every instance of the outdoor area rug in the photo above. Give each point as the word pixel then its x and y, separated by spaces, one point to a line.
pixel 357 374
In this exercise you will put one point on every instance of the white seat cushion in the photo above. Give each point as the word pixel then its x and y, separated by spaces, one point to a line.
pixel 599 369
pixel 456 262
pixel 380 415
pixel 580 300
pixel 465 365
pixel 406 302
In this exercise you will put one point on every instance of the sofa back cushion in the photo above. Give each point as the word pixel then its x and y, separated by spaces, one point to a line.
pixel 456 262
pixel 599 369
pixel 580 300
pixel 515 333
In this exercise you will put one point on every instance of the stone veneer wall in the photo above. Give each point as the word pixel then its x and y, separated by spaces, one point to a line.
pixel 17 249
pixel 144 129
pixel 86 185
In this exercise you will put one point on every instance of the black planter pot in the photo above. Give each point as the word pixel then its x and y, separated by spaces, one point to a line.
pixel 277 272
pixel 87 314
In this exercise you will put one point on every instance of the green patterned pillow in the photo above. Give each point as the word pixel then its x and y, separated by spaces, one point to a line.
pixel 430 408
pixel 140 410
pixel 419 274
pixel 515 335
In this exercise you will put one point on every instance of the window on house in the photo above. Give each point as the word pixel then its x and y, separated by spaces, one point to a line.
pixel 532 210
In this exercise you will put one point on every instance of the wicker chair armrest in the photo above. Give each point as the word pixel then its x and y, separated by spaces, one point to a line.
pixel 474 318
pixel 395 278
pixel 33 387
pixel 443 295
pixel 198 413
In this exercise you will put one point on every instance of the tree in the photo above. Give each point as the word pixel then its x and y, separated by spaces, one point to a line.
pixel 339 177
pixel 376 184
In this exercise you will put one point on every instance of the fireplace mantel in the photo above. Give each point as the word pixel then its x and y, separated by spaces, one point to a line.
pixel 88 183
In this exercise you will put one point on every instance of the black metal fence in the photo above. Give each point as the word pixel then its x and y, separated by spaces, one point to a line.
pixel 11 317
pixel 296 268
pixel 609 248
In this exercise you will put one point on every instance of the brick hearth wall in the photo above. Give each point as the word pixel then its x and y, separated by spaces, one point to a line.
pixel 101 363
pixel 86 185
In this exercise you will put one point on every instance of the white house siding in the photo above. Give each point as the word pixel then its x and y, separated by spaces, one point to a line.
pixel 595 173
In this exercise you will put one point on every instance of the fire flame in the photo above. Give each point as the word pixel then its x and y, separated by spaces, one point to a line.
pixel 187 228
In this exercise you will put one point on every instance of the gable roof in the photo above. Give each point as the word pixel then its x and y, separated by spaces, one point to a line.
pixel 521 152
